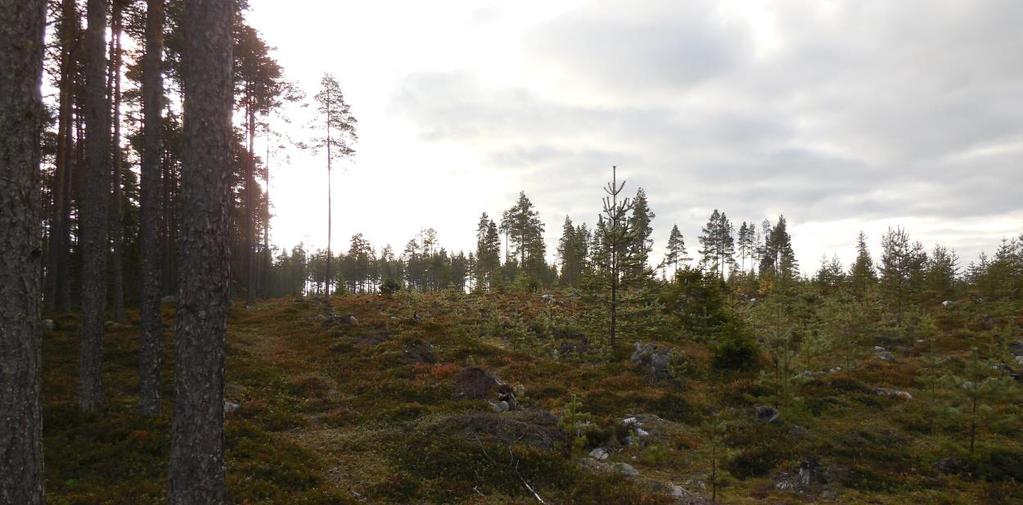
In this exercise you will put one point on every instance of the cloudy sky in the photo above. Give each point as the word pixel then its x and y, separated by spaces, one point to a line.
pixel 841 114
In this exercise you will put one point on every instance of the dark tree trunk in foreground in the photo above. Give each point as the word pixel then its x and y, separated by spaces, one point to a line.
pixel 197 448
pixel 94 208
pixel 21 121
pixel 151 191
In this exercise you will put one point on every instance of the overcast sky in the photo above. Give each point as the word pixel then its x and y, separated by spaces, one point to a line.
pixel 843 115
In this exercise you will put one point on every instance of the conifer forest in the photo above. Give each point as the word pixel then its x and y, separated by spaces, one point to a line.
pixel 567 252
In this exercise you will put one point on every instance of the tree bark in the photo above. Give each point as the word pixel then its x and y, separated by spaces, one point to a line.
pixel 151 342
pixel 94 208
pixel 197 448
pixel 117 194
pixel 21 122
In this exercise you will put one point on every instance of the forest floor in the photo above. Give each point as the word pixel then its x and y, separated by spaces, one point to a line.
pixel 380 408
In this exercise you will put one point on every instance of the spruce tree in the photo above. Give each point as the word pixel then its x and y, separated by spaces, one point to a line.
pixel 902 267
pixel 636 268
pixel 676 251
pixel 862 274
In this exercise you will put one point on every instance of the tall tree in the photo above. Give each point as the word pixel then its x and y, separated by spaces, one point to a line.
pixel 94 208
pixel 942 272
pixel 57 284
pixel 338 135
pixel 197 447
pixel 21 122
pixel 524 230
pixel 116 160
pixel 150 343
pixel 718 244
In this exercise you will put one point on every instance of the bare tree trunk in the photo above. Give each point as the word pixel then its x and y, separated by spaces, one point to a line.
pixel 251 206
pixel 330 212
pixel 117 194
pixel 56 271
pixel 197 448
pixel 94 208
pixel 151 343
pixel 21 122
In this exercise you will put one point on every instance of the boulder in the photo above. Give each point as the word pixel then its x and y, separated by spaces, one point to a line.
pixel 656 360
pixel 500 407
pixel 474 383
pixel 599 454
pixel 625 469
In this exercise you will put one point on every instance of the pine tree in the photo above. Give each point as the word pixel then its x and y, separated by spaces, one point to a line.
pixel 94 206
pixel 676 251
pixel 22 118
pixel 338 125
pixel 524 230
pixel 197 442
pixel 942 272
pixel 572 251
pixel 151 340
pixel 614 227
pixel 710 244
pixel 902 266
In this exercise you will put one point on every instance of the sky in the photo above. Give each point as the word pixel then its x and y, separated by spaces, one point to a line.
pixel 843 115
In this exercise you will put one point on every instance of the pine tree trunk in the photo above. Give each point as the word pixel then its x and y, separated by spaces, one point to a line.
pixel 250 215
pixel 56 271
pixel 151 343
pixel 117 194
pixel 94 208
pixel 197 448
pixel 21 122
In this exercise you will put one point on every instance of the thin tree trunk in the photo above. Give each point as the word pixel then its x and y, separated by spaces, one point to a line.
pixel 94 209
pixel 21 123
pixel 251 206
pixel 117 194
pixel 58 243
pixel 330 212
pixel 268 263
pixel 197 447
pixel 151 342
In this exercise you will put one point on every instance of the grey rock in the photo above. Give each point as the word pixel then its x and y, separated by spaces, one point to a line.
pixel 626 469
pixel 805 480
pixel 599 454
pixel 501 406
pixel 230 406
pixel 657 360
pixel 48 325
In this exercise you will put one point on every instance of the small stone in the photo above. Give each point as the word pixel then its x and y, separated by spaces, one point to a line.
pixel 885 356
pixel 1019 360
pixel 48 325
pixel 599 454
pixel 641 432
pixel 894 393
pixel 500 407
pixel 230 406
pixel 630 421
